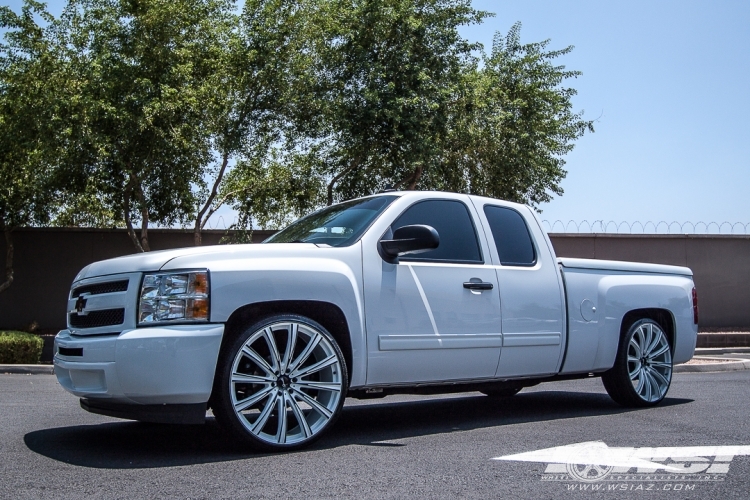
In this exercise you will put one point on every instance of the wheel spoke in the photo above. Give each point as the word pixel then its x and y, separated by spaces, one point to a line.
pixel 647 337
pixel 244 378
pixel 262 419
pixel 315 404
pixel 647 384
pixel 660 364
pixel 311 384
pixel 634 373
pixel 290 344
pixel 281 428
pixel 658 336
pixel 664 348
pixel 309 370
pixel 659 379
pixel 636 347
pixel 268 335
pixel 251 400
pixel 300 417
pixel 641 382
pixel 258 359
pixel 641 337
pixel 306 352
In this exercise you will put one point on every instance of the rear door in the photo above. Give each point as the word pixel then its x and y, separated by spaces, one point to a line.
pixel 530 292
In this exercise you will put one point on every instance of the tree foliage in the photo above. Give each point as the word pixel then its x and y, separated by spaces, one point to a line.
pixel 29 169
pixel 390 71
pixel 514 126
pixel 141 112
pixel 143 73
pixel 253 89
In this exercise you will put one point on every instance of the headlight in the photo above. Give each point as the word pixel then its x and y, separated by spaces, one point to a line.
pixel 181 296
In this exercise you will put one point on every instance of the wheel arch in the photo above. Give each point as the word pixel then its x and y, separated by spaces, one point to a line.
pixel 663 317
pixel 329 315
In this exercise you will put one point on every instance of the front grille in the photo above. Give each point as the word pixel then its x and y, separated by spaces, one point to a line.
pixel 94 319
pixel 99 288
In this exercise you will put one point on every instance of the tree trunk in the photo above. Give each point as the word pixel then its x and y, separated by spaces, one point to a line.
pixel 199 222
pixel 8 260
pixel 128 219
pixel 354 166
pixel 415 178
pixel 144 229
pixel 411 181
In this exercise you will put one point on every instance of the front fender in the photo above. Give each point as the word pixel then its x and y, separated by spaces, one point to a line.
pixel 335 279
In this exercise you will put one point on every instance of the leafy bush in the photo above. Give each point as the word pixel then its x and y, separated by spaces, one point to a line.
pixel 20 348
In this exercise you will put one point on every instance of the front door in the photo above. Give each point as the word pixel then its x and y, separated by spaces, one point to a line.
pixel 427 320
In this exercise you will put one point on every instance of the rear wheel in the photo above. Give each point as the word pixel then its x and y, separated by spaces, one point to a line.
pixel 282 383
pixel 642 371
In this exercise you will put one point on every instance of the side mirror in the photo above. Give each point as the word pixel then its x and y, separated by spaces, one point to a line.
pixel 417 238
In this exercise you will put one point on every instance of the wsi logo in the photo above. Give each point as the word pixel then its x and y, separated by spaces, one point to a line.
pixel 595 461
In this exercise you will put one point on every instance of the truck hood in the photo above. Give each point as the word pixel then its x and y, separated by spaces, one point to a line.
pixel 157 260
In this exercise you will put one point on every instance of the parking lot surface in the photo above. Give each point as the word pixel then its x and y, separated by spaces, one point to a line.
pixel 397 447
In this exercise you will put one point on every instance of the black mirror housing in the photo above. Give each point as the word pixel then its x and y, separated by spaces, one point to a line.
pixel 416 238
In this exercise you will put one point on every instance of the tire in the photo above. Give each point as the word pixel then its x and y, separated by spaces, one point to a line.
pixel 502 391
pixel 259 374
pixel 642 371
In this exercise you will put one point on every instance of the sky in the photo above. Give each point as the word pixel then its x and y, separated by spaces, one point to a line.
pixel 667 83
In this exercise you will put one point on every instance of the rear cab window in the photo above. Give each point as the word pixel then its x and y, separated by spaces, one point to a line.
pixel 511 235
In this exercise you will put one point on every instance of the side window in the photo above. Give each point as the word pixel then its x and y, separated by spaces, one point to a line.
pixel 451 219
pixel 512 238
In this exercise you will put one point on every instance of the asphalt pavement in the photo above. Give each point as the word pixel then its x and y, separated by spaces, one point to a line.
pixel 397 447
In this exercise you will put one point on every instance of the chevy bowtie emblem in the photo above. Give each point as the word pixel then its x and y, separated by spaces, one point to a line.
pixel 80 304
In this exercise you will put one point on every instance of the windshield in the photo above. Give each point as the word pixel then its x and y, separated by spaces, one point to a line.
pixel 339 225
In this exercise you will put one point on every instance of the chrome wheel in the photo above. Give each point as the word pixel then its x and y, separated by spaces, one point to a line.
pixel 649 362
pixel 642 371
pixel 286 383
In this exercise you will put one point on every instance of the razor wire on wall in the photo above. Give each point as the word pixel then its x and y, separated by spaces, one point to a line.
pixel 638 227
pixel 601 226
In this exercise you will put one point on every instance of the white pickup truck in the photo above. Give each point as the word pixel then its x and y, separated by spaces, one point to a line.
pixel 400 292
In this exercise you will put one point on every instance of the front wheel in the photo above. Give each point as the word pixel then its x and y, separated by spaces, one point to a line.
pixel 642 371
pixel 281 384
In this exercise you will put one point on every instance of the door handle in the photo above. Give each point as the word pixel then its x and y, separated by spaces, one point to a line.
pixel 478 285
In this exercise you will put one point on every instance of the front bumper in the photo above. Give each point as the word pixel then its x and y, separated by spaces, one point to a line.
pixel 166 365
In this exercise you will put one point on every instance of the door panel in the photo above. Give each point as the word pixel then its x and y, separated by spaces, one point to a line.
pixel 423 325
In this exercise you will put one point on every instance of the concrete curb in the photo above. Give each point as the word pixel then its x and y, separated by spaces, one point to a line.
pixel 727 339
pixel 28 369
pixel 709 351
pixel 721 365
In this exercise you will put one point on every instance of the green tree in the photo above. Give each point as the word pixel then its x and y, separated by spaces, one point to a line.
pixel 142 72
pixel 390 71
pixel 30 179
pixel 252 91
pixel 512 126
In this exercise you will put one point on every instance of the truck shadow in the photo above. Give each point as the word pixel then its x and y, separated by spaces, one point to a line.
pixel 136 445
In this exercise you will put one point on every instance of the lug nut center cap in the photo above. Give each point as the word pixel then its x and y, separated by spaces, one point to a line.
pixel 283 381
